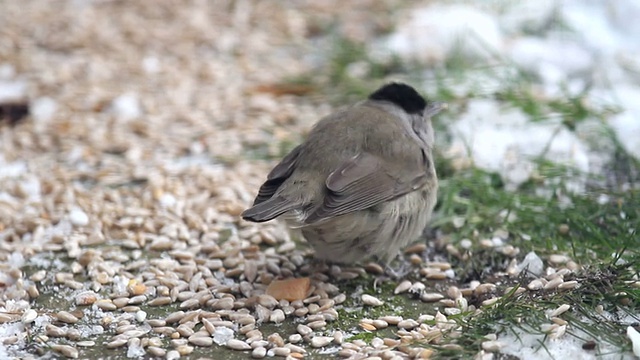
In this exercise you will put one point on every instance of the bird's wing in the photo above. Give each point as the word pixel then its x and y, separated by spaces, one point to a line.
pixel 278 175
pixel 361 183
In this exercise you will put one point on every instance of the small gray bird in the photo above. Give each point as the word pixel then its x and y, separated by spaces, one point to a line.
pixel 363 183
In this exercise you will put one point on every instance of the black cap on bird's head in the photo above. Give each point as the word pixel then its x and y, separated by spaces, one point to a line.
pixel 401 95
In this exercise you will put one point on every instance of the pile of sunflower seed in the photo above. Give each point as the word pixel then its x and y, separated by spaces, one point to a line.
pixel 120 194
pixel 217 289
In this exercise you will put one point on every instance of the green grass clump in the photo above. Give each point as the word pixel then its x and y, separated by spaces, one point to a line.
pixel 597 229
pixel 593 224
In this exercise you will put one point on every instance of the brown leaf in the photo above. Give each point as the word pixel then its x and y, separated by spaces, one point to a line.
pixel 289 289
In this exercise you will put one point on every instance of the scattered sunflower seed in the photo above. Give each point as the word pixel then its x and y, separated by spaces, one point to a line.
pixel 321 341
pixel 371 300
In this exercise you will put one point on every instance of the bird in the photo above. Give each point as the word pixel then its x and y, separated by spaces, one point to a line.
pixel 363 183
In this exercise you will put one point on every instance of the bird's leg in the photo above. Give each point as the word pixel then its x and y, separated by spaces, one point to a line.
pixel 399 272
pixel 430 236
pixel 315 266
pixel 392 273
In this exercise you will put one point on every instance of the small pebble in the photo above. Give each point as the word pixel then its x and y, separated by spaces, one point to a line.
pixel 321 341
pixel 380 324
pixel 277 316
pixel 368 326
pixel 236 344
pixel 117 343
pixel 558 259
pixel 560 310
pixel 86 343
pixel 536 284
pixel 417 248
pixel 173 355
pixel 484 289
pixel 371 300
pixel 67 317
pixel 492 346
pixel 65 350
pixel 29 316
pixel 490 302
pixel 408 324
pixel 201 341
pixel 391 319
pixel 317 324
pixel 374 268
pixel 338 337
pixel 156 351
pixel 568 285
pixel 281 351
pixel 554 283
pixel 54 331
pixel 295 338
pixel 347 353
pixel 78 217
pixel 276 339
pixel 106 304
pixel 431 297
pixel 259 353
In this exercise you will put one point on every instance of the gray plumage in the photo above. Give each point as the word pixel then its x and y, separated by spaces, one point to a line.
pixel 363 183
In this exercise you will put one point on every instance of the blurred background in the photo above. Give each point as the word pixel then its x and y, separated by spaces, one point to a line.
pixel 153 82
pixel 127 123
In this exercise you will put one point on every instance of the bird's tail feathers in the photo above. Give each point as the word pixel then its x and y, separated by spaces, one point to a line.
pixel 269 209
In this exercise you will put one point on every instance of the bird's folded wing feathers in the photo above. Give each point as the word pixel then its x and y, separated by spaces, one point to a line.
pixel 361 183
pixel 278 175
